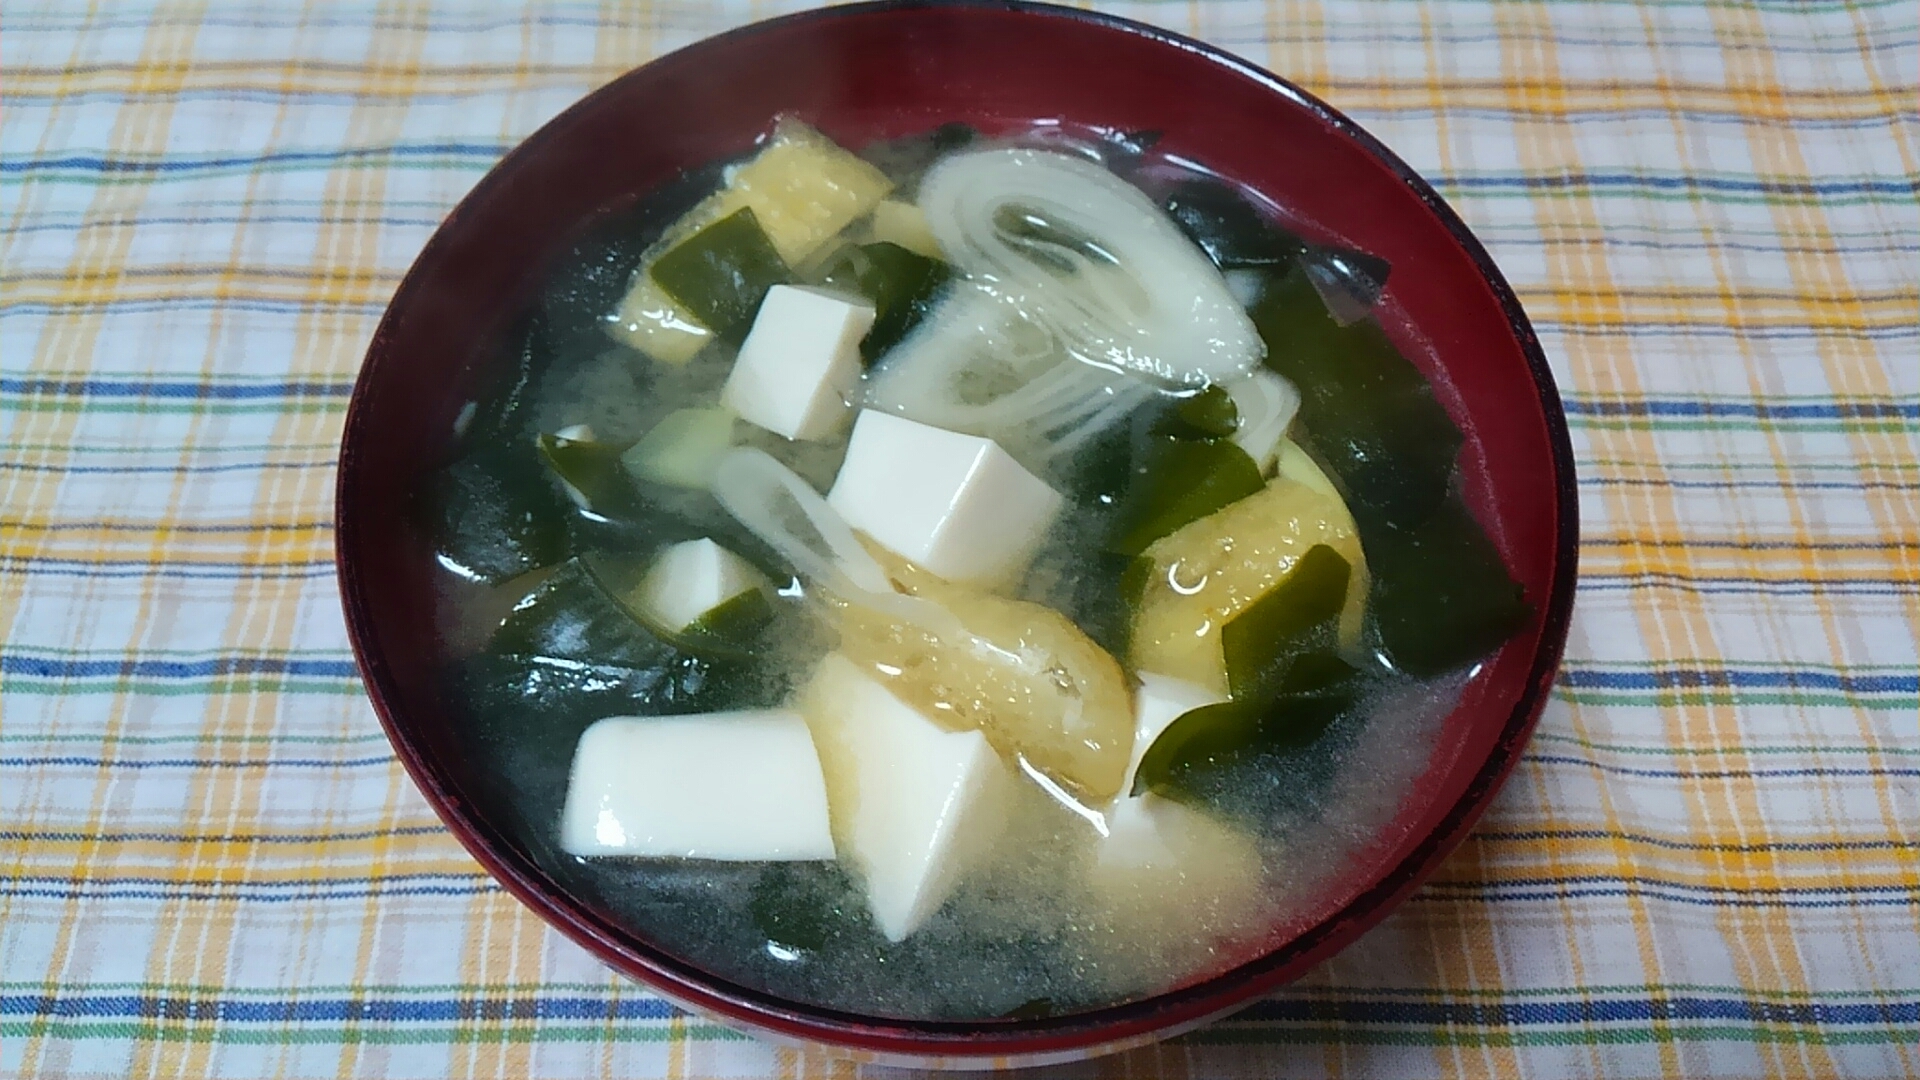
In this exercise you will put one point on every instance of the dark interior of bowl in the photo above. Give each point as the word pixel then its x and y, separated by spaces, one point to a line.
pixel 881 71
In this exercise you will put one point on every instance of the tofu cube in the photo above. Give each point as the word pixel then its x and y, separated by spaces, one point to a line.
pixel 1160 700
pixel 1163 860
pixel 737 786
pixel 915 806
pixel 690 579
pixel 955 504
pixel 799 362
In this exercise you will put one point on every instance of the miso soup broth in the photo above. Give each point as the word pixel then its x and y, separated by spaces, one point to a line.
pixel 955 578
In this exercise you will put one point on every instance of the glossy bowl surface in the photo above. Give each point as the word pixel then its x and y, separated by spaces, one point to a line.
pixel 872 71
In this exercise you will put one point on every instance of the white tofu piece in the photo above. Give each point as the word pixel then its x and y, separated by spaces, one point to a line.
pixel 735 786
pixel 690 579
pixel 799 362
pixel 1162 853
pixel 1267 405
pixel 1158 859
pixel 915 806
pixel 1160 700
pixel 955 504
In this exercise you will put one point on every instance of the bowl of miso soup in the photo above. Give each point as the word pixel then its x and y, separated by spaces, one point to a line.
pixel 958 534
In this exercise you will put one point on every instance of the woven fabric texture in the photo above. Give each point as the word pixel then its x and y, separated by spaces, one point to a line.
pixel 1705 866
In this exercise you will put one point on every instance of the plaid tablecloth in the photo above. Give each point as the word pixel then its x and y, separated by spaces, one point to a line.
pixel 1705 866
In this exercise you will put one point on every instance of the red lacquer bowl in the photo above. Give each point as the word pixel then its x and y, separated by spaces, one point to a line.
pixel 873 71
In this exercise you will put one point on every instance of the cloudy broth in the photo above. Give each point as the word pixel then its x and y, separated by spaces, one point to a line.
pixel 1172 561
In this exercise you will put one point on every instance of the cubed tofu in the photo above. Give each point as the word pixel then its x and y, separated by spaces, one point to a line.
pixel 1168 878
pixel 955 504
pixel 739 786
pixel 915 806
pixel 1159 858
pixel 1162 855
pixel 690 579
pixel 1160 700
pixel 799 362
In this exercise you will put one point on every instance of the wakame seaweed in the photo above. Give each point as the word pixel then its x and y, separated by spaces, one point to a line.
pixel 1176 480
pixel 806 905
pixel 722 272
pixel 1441 595
pixel 1366 412
pixel 1234 234
pixel 495 516
pixel 1285 677
pixel 592 470
pixel 902 284
pixel 574 616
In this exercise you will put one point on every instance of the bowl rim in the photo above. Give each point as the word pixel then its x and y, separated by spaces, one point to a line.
pixel 1090 1031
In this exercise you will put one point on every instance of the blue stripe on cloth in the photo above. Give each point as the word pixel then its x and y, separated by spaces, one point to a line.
pixel 1812 410
pixel 46 667
pixel 170 389
pixel 1574 1011
pixel 512 1006
pixel 373 1009
pixel 62 889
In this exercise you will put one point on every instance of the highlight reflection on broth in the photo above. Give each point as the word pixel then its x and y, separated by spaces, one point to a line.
pixel 963 578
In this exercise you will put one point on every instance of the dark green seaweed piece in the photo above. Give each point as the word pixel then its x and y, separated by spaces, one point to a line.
pixel 592 469
pixel 501 407
pixel 573 615
pixel 566 325
pixel 1098 589
pixel 902 284
pixel 1366 413
pixel 1228 228
pixel 735 628
pixel 805 905
pixel 1262 642
pixel 1349 282
pixel 952 136
pixel 1441 595
pixel 494 515
pixel 1286 680
pixel 1176 481
pixel 1209 414
pixel 1032 1009
pixel 721 273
